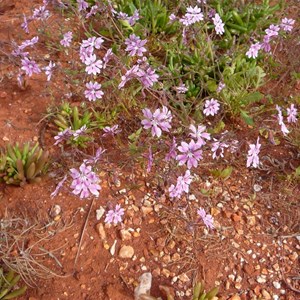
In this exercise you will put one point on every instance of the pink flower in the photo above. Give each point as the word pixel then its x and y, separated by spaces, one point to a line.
pixel 135 46
pixel 218 149
pixel 191 153
pixel 113 130
pixel 219 25
pixel 207 219
pixel 192 16
pixel 253 158
pixel 58 187
pixel 212 107
pixel 284 129
pixel 199 134
pixel 287 24
pixel 253 51
pixel 272 30
pixel 172 151
pixel 292 114
pixel 63 136
pixel 49 69
pixel 182 185
pixel 93 91
pixel 30 66
pixel 114 216
pixel 67 39
pixel 147 77
pixel 93 66
pixel 85 182
pixel 158 121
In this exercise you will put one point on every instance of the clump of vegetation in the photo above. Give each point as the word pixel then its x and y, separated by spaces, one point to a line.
pixel 8 283
pixel 21 165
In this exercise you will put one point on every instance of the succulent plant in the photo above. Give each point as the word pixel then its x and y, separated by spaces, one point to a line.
pixel 21 165
pixel 199 293
pixel 7 283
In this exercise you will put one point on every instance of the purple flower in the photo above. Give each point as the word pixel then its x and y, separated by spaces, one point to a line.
pixel 93 11
pixel 158 121
pixel 130 74
pixel 49 69
pixel 93 91
pixel 253 158
pixel 218 149
pixel 131 20
pixel 172 18
pixel 85 182
pixel 150 160
pixel 199 134
pixel 93 66
pixel 28 43
pixel 284 129
pixel 219 25
pixel 292 114
pixel 82 5
pixel 85 53
pixel 147 77
pixel 114 216
pixel 25 23
pixel 113 130
pixel 192 16
pixel 181 89
pixel 41 13
pixel 253 51
pixel 92 42
pixel 30 66
pixel 67 39
pixel 212 107
pixel 191 153
pixel 58 187
pixel 287 24
pixel 182 185
pixel 220 87
pixel 265 45
pixel 272 30
pixel 93 160
pixel 79 132
pixel 135 45
pixel 63 136
pixel 207 219
pixel 107 57
pixel 172 151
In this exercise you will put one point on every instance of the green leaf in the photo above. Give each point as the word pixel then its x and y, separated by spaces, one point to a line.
pixel 248 120
pixel 252 98
pixel 135 136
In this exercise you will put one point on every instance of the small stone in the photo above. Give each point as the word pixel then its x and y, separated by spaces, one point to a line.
pixel 5 139
pixel 238 279
pixel 101 231
pixel 235 297
pixel 175 256
pixel 276 267
pixel 125 235
pixel 166 273
pixel 113 248
pixel 146 210
pixel 183 277
pixel 3 94
pixel 166 259
pixel 293 256
pixel 171 244
pixel 156 272
pixel 277 285
pixel 256 290
pixel 227 285
pixel 261 279
pixel 238 285
pixel 257 188
pixel 248 268
pixel 266 295
pixel 251 221
pixel 236 217
pixel 99 213
pixel 126 252
pixel 231 277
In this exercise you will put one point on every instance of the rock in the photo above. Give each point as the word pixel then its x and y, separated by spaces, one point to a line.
pixel 238 285
pixel 293 256
pixel 251 221
pixel 125 235
pixel 171 244
pixel 146 210
pixel 235 297
pixel 277 285
pixel 144 286
pixel 166 259
pixel 256 290
pixel 248 269
pixel 166 273
pixel 113 248
pixel 99 213
pixel 175 256
pixel 183 277
pixel 261 279
pixel 126 252
pixel 101 231
pixel 266 295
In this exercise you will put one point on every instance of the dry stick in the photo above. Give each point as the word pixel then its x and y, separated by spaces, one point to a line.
pixel 82 232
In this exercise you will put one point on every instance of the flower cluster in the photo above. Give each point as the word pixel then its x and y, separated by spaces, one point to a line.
pixel 85 181
pixel 253 158
pixel 67 39
pixel 190 154
pixel 182 185
pixel 207 219
pixel 130 19
pixel 158 121
pixel 271 32
pixel 212 107
pixel 67 133
pixel 219 25
pixel 93 91
pixel 114 215
pixel 135 46
pixel 284 129
pixel 192 15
